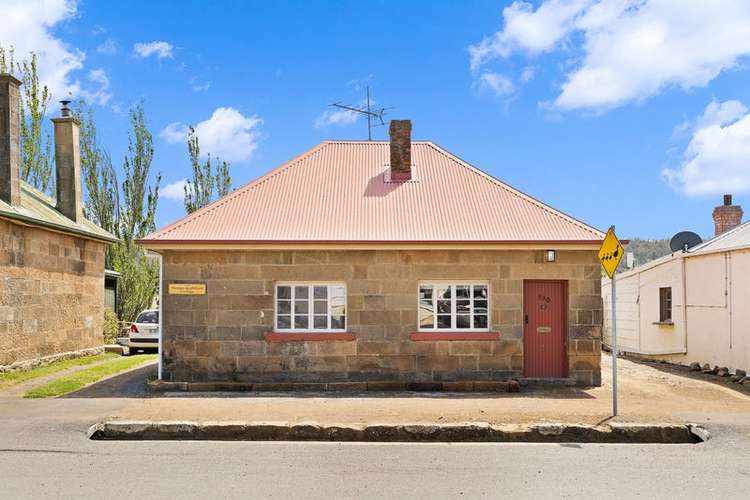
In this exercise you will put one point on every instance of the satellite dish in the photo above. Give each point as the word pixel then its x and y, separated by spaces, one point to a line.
pixel 684 240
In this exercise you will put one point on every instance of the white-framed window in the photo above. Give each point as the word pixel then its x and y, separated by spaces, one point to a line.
pixel 456 306
pixel 304 307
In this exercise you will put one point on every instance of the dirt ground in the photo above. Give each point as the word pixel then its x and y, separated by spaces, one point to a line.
pixel 647 393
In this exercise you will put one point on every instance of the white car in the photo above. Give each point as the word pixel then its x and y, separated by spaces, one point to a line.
pixel 144 332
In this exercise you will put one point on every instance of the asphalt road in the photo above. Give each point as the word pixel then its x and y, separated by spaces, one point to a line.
pixel 44 453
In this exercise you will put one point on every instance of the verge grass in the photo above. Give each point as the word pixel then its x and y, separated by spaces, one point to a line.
pixel 82 378
pixel 16 377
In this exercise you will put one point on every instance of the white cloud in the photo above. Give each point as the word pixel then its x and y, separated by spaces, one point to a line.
pixel 528 74
pixel 27 26
pixel 499 85
pixel 337 117
pixel 528 30
pixel 174 132
pixel 717 158
pixel 108 46
pixel 720 113
pixel 227 134
pixel 100 95
pixel 625 50
pixel 174 191
pixel 161 50
pixel 360 83
pixel 197 85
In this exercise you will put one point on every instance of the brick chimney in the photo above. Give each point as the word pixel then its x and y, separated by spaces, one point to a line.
pixel 68 165
pixel 726 216
pixel 400 132
pixel 10 139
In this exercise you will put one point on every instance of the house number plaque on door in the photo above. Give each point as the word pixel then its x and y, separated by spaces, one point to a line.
pixel 543 301
pixel 543 329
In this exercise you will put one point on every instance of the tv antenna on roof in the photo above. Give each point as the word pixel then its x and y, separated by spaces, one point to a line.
pixel 372 115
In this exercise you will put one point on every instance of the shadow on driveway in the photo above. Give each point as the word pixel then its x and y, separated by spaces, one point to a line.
pixel 131 384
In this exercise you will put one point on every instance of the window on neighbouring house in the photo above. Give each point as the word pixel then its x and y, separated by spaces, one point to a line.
pixel 453 306
pixel 305 307
pixel 665 304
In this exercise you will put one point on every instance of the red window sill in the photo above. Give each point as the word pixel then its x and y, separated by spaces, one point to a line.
pixel 305 336
pixel 426 336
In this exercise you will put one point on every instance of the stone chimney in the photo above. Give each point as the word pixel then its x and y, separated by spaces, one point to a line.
pixel 400 132
pixel 726 216
pixel 10 139
pixel 68 165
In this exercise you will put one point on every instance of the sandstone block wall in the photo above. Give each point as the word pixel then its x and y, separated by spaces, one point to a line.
pixel 51 293
pixel 220 336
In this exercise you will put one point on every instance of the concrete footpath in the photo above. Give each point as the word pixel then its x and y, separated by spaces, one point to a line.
pixel 648 394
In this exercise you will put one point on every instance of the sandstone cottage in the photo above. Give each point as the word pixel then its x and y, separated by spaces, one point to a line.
pixel 373 265
pixel 51 257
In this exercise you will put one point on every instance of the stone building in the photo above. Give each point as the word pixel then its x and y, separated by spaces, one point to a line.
pixel 51 257
pixel 379 265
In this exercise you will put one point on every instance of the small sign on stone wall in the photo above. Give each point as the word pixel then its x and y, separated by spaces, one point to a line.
pixel 187 289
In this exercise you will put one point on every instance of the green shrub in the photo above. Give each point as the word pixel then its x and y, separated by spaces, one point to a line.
pixel 111 327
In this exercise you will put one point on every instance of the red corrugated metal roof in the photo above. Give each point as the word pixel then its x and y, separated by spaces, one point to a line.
pixel 338 192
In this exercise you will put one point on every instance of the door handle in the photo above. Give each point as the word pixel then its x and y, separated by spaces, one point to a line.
pixel 525 319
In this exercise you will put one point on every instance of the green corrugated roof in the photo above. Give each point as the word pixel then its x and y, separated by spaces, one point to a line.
pixel 39 209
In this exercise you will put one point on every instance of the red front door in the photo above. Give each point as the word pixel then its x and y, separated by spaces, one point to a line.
pixel 545 332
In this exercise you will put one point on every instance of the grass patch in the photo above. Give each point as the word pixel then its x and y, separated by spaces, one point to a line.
pixel 82 378
pixel 16 377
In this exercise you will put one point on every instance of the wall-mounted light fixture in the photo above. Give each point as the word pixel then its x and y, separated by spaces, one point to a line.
pixel 551 255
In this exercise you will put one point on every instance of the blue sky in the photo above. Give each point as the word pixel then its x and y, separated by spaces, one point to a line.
pixel 615 111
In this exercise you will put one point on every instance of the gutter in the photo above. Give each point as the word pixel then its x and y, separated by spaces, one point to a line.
pixel 409 244
pixel 31 221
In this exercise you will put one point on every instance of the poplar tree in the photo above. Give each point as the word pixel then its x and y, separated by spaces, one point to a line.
pixel 36 163
pixel 199 190
pixel 140 196
pixel 139 274
pixel 102 200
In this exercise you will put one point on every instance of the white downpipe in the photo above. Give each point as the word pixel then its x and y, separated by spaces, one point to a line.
pixel 161 316
pixel 684 302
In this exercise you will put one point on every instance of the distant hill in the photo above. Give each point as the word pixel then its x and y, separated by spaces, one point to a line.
pixel 645 251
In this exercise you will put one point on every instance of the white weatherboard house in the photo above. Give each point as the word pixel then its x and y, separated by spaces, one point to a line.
pixel 712 279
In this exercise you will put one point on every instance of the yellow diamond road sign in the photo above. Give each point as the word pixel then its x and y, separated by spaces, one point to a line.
pixel 610 252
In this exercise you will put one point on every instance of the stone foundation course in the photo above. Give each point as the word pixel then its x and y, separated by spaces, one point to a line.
pixel 382 386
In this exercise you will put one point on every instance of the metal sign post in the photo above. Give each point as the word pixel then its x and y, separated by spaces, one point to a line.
pixel 610 254
pixel 614 346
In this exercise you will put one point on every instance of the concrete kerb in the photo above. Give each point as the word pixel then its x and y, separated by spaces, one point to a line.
pixel 464 432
